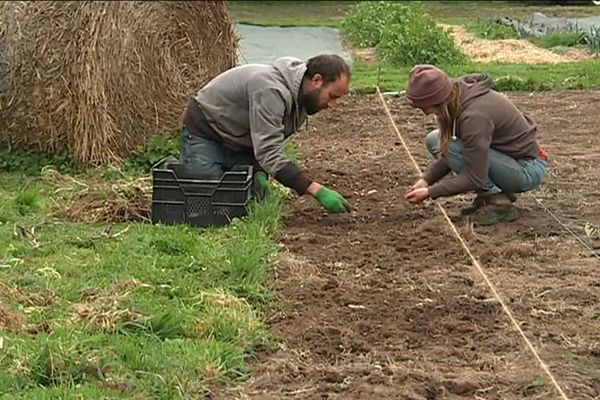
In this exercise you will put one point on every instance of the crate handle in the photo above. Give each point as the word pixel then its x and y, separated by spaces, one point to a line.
pixel 162 160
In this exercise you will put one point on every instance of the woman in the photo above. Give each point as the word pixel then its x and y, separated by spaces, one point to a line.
pixel 482 137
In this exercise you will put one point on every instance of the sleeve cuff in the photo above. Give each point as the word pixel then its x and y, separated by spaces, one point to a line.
pixel 428 178
pixel 291 176
pixel 435 192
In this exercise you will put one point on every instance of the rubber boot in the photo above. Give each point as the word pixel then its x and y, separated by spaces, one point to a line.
pixel 493 214
pixel 499 199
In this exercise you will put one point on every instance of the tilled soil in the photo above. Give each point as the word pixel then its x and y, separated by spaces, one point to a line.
pixel 385 303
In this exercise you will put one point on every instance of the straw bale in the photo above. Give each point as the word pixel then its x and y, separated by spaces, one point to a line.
pixel 98 78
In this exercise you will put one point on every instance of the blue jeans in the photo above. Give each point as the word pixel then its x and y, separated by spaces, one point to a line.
pixel 209 159
pixel 505 174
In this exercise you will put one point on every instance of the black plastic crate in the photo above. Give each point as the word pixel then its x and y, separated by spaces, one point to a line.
pixel 179 197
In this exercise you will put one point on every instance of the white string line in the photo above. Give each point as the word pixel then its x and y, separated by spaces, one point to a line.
pixel 565 227
pixel 474 260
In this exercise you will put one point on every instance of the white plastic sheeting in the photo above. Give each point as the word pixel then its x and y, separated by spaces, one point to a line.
pixel 261 44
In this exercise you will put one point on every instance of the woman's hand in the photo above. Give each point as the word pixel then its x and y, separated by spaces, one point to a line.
pixel 421 183
pixel 417 195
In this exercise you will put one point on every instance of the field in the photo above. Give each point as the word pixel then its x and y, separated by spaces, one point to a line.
pixel 293 303
pixel 385 303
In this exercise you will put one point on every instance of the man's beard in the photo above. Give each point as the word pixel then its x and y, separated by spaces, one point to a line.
pixel 311 102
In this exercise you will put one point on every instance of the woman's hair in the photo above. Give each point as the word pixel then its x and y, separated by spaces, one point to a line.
pixel 447 113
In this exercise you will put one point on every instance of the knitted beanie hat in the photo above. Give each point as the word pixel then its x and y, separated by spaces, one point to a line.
pixel 428 86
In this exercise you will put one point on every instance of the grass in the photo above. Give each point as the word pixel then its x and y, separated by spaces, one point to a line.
pixel 559 39
pixel 577 75
pixel 289 13
pixel 131 310
pixel 488 29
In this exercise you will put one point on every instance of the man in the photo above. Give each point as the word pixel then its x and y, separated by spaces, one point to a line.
pixel 244 115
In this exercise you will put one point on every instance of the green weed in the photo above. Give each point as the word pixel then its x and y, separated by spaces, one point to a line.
pixel 487 28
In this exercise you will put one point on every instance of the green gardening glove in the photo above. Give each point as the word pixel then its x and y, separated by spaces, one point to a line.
pixel 261 178
pixel 261 184
pixel 332 201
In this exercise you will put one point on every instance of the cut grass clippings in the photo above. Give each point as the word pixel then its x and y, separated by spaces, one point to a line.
pixel 98 199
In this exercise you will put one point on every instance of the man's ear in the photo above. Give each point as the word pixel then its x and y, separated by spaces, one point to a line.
pixel 317 80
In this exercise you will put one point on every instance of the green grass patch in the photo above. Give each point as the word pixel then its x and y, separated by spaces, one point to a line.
pixel 489 29
pixel 29 162
pixel 289 13
pixel 129 310
pixel 519 77
pixel 560 39
pixel 155 150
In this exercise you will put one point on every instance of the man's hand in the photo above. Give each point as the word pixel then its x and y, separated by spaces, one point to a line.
pixel 332 201
pixel 261 185
pixel 261 178
pixel 417 195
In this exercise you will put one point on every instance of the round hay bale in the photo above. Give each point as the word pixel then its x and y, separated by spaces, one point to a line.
pixel 99 78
